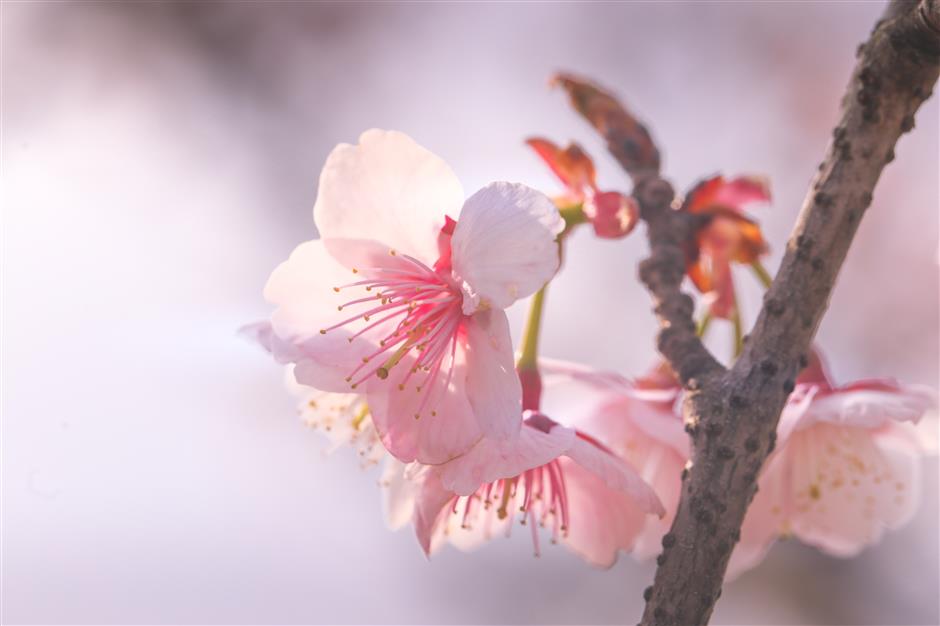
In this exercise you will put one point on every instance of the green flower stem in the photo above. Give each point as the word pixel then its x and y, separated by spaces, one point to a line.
pixel 738 330
pixel 762 274
pixel 703 324
pixel 528 358
pixel 573 215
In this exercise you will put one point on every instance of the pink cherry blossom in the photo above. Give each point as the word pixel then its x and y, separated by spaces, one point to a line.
pixel 593 502
pixel 638 421
pixel 846 467
pixel 402 304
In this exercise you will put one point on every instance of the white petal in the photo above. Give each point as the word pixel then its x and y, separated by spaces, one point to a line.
pixel 503 247
pixel 389 189
pixel 399 494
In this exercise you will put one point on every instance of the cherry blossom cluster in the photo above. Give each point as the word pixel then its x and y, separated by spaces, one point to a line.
pixel 393 329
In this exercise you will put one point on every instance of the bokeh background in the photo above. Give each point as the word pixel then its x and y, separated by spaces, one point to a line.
pixel 159 159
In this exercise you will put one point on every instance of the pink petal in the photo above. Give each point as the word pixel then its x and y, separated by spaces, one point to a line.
pixel 262 334
pixel 766 519
pixel 388 189
pixel 302 290
pixel 868 405
pixel 602 519
pixel 743 190
pixel 503 247
pixel 435 437
pixel 661 467
pixel 491 460
pixel 492 384
pixel 616 474
pixel 846 485
pixel 365 256
pixel 430 505
pixel 557 371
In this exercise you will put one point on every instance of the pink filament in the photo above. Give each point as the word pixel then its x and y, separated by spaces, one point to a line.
pixel 541 495
pixel 427 308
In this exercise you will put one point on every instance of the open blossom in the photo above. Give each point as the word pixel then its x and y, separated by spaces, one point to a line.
pixel 557 477
pixel 725 235
pixel 402 304
pixel 641 424
pixel 612 214
pixel 846 466
pixel 552 476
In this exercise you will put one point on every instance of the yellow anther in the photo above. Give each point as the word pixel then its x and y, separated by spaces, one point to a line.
pixel 392 252
pixel 365 359
pixel 355 271
pixel 382 373
pixel 365 317
pixel 322 332
pixel 336 289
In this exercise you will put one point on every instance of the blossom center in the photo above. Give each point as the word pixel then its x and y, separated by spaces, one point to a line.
pixel 539 493
pixel 414 313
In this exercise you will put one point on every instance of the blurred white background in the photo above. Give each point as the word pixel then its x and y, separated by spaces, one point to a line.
pixel 159 159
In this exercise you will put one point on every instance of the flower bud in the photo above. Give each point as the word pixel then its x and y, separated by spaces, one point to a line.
pixel 612 214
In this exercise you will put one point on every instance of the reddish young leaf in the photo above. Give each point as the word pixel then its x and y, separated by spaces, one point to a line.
pixel 573 167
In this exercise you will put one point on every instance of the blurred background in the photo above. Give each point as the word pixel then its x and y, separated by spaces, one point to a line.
pixel 159 159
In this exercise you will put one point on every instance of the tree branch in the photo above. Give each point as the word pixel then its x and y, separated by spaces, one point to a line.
pixel 662 273
pixel 732 415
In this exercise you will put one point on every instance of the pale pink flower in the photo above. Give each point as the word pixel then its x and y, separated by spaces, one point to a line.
pixel 594 503
pixel 639 421
pixel 398 302
pixel 846 467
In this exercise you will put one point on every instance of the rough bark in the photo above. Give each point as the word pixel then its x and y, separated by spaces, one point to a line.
pixel 732 415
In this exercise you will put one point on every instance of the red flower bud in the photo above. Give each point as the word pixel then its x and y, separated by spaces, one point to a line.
pixel 612 214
